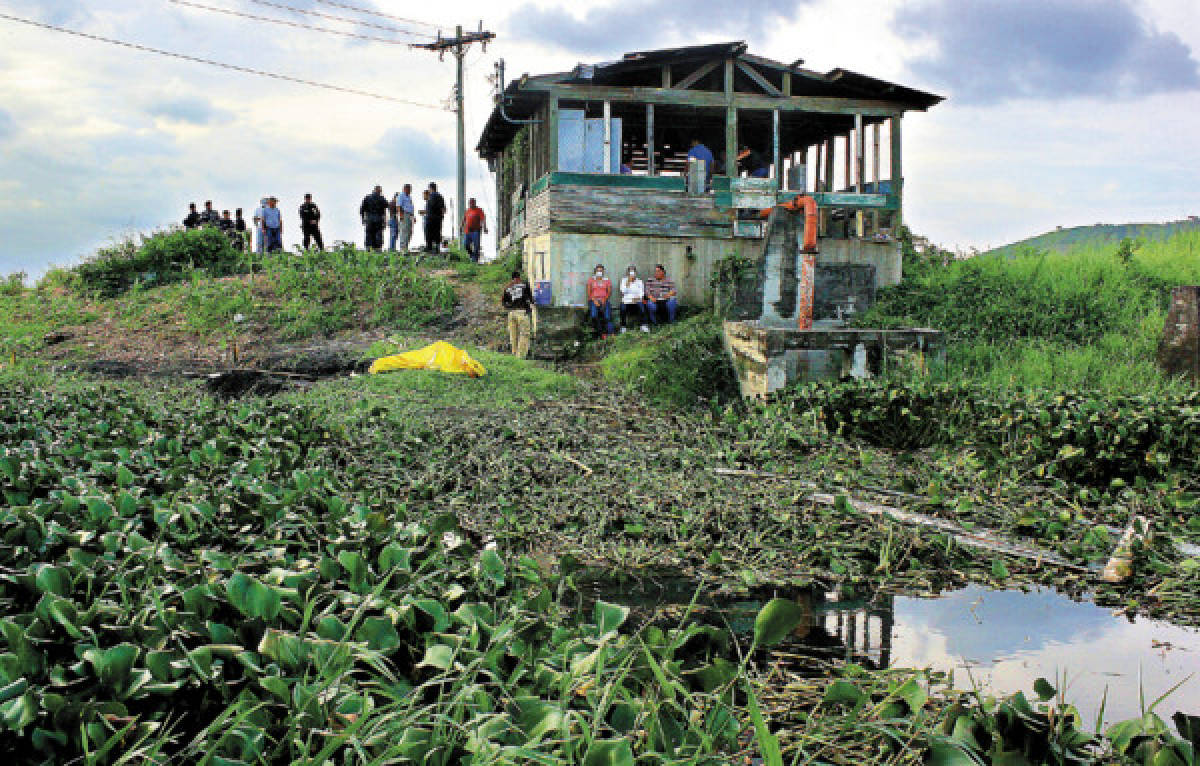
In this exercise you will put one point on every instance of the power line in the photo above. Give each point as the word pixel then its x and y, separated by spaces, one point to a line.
pixel 222 65
pixel 330 16
pixel 370 12
pixel 286 23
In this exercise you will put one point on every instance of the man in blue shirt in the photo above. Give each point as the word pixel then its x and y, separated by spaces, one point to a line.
pixel 701 152
pixel 402 215
pixel 273 225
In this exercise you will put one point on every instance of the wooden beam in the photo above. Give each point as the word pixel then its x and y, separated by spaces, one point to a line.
pixel 829 164
pixel 875 172
pixel 666 73
pixel 674 96
pixel 650 169
pixel 728 80
pixel 758 79
pixel 849 161
pixel 787 84
pixel 897 171
pixel 552 132
pixel 696 76
pixel 776 157
pixel 608 168
pixel 860 170
pixel 731 141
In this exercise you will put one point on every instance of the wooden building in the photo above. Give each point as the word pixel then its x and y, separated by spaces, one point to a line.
pixel 590 164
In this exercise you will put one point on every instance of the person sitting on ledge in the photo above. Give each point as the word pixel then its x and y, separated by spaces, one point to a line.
pixel 660 295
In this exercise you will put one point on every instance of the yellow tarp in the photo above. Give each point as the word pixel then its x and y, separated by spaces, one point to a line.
pixel 436 356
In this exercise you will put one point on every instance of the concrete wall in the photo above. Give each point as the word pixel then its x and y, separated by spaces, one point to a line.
pixel 566 260
pixel 884 256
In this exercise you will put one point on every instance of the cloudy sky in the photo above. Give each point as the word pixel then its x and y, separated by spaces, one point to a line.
pixel 1060 112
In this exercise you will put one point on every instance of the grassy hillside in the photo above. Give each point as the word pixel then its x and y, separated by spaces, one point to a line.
pixel 1062 240
pixel 1090 320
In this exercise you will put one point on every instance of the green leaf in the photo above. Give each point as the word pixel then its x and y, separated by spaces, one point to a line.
pixel 394 556
pixel 253 598
pixel 843 692
pixel 20 712
pixel 999 571
pixel 768 743
pixel 331 628
pixel 379 633
pixel 609 617
pixel 113 665
pixel 1044 690
pixel 948 754
pixel 54 610
pixel 609 752
pixel 716 675
pixel 56 580
pixel 776 620
pixel 492 568
pixel 288 650
pixel 438 656
pixel 913 694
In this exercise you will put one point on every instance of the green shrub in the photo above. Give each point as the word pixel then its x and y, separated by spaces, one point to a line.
pixel 160 258
pixel 679 365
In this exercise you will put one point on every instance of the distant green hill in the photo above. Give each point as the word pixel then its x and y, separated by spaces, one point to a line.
pixel 1063 240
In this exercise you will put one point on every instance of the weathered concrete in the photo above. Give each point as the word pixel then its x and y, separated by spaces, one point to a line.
pixel 884 255
pixel 767 359
pixel 1179 351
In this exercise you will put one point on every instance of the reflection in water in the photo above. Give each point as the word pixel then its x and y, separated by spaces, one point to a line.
pixel 1001 641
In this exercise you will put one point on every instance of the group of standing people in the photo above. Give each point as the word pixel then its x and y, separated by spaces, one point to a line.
pixel 233 227
pixel 399 215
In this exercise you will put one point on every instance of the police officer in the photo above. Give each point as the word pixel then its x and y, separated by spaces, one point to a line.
pixel 193 218
pixel 373 211
pixel 310 222
pixel 210 217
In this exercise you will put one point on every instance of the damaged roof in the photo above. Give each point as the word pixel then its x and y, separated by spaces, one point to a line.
pixel 525 95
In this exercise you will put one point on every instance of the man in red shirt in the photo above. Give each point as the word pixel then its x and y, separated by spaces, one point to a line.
pixel 474 224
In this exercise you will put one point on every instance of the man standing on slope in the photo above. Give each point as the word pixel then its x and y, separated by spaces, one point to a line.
pixel 474 226
pixel 373 211
pixel 518 299
pixel 310 222
pixel 193 218
pixel 435 211
pixel 273 225
pixel 402 217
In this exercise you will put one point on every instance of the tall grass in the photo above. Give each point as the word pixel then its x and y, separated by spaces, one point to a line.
pixel 1090 318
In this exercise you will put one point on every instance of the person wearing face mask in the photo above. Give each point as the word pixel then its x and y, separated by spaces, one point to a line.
pixel 599 290
pixel 633 292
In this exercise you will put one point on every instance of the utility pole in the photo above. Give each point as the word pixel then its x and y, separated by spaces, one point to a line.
pixel 458 46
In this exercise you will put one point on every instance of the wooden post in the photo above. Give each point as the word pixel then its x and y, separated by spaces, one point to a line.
pixel 849 161
pixel 666 76
pixel 829 160
pixel 860 170
pixel 552 133
pixel 776 157
pixel 787 84
pixel 650 169
pixel 897 172
pixel 875 173
pixel 608 137
pixel 731 141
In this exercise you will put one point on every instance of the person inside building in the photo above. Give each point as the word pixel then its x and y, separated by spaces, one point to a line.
pixel 310 222
pixel 474 226
pixel 701 152
pixel 239 225
pixel 633 295
pixel 273 225
pixel 599 290
pixel 373 211
pixel 193 218
pixel 435 211
pixel 754 163
pixel 403 214
pixel 661 297
pixel 518 299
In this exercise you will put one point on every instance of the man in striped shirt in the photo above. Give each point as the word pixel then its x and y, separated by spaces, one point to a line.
pixel 660 296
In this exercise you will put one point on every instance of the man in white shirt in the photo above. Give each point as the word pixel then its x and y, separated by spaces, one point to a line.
pixel 260 234
pixel 633 293
pixel 403 213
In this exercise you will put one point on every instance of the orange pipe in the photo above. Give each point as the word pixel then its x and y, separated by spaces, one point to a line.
pixel 809 206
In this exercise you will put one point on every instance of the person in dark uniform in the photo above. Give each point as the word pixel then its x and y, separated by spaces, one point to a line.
pixel 435 212
pixel 754 163
pixel 310 222
pixel 193 218
pixel 239 226
pixel 210 217
pixel 373 211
